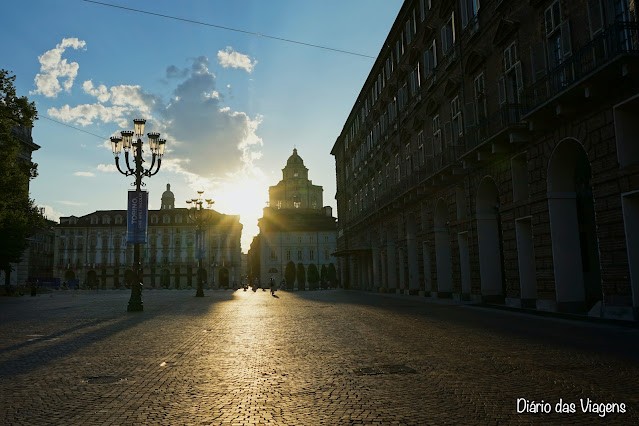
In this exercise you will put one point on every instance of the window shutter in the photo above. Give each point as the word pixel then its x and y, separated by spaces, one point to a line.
pixel 548 20
pixel 538 60
pixel 444 40
pixel 448 133
pixel 470 114
pixel 595 15
pixel 520 82
pixel 566 45
pixel 464 12
pixel 502 90
pixel 427 63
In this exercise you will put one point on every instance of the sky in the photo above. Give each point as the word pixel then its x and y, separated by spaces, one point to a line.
pixel 232 106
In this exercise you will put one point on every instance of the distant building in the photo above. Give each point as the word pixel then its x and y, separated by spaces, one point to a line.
pixel 295 227
pixel 93 250
pixel 490 157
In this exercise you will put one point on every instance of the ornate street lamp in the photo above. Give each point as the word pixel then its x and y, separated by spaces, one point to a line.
pixel 199 214
pixel 156 146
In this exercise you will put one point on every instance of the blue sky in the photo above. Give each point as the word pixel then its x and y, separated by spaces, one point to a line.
pixel 232 106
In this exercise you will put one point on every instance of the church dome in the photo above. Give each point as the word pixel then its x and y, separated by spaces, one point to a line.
pixel 295 160
pixel 168 193
pixel 168 199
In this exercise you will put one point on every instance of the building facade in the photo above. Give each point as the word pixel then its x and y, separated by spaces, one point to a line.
pixel 489 157
pixel 92 249
pixel 295 227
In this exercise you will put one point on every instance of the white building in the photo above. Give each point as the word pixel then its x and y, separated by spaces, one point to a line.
pixel 92 249
pixel 295 227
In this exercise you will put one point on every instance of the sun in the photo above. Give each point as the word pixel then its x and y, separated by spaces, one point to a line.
pixel 246 195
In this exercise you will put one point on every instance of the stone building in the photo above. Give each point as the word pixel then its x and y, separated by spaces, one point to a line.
pixel 93 250
pixel 295 227
pixel 489 156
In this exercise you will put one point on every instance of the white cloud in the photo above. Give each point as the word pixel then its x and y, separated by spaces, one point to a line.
pixel 107 167
pixel 101 92
pixel 231 59
pixel 70 203
pixel 86 114
pixel 84 174
pixel 51 213
pixel 204 138
pixel 53 68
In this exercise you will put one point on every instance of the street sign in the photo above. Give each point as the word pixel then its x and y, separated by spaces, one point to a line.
pixel 136 217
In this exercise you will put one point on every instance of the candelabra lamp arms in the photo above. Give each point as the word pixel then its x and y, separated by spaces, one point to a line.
pixel 198 214
pixel 131 141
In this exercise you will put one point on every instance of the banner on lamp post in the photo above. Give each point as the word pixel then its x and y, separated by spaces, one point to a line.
pixel 199 244
pixel 136 217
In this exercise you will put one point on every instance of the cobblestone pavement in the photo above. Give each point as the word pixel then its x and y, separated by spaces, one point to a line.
pixel 324 357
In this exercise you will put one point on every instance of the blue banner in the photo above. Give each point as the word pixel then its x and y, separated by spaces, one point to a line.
pixel 199 244
pixel 136 217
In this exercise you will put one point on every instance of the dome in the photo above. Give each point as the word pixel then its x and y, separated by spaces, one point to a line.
pixel 167 193
pixel 295 160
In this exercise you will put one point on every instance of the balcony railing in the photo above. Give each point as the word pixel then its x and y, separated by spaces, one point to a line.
pixel 620 38
pixel 507 116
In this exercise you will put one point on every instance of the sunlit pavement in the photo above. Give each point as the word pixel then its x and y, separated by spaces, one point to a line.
pixel 322 357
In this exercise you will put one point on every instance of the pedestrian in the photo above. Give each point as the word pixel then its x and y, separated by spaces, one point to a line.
pixel 272 285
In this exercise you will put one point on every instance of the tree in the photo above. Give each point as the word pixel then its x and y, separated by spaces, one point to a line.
pixel 332 274
pixel 324 273
pixel 313 276
pixel 19 216
pixel 289 274
pixel 301 277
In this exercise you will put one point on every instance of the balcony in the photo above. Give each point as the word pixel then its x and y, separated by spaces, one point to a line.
pixel 506 119
pixel 620 39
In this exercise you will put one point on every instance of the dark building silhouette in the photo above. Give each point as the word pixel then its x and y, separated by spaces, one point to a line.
pixel 492 155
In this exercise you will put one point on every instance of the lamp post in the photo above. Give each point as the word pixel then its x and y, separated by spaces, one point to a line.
pixel 198 213
pixel 156 146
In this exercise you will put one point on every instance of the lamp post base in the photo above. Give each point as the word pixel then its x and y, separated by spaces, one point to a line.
pixel 135 302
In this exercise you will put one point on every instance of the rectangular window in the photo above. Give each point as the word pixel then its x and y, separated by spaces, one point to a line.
pixel 481 110
pixel 288 254
pixel 424 8
pixel 311 254
pixel 409 164
pixel 448 34
pixel 437 136
pixel 402 96
pixel 456 116
pixel 409 32
pixel 299 254
pixel 414 81
pixel 430 59
pixel 469 9
pixel 398 169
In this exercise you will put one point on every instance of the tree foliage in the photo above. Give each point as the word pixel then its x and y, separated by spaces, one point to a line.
pixel 313 275
pixel 332 273
pixel 19 216
pixel 324 273
pixel 301 277
pixel 289 274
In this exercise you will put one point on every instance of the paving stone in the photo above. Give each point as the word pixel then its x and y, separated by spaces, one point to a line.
pixel 322 357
